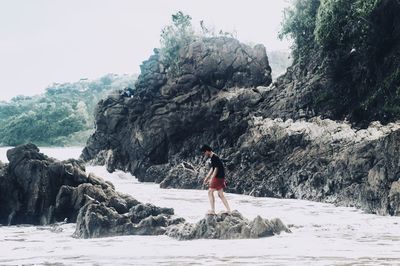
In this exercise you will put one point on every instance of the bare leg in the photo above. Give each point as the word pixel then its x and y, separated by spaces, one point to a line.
pixel 223 199
pixel 212 200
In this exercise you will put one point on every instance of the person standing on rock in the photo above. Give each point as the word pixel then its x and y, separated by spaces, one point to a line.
pixel 215 178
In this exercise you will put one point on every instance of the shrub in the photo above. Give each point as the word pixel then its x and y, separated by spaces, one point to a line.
pixel 173 37
pixel 299 24
pixel 343 23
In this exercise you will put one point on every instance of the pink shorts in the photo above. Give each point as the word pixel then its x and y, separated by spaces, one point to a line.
pixel 217 183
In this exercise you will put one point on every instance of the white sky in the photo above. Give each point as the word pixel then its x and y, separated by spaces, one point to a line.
pixel 46 41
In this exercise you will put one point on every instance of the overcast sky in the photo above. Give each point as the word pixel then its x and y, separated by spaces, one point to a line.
pixel 46 41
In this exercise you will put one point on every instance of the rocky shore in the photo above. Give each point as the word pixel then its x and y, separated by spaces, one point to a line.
pixel 272 146
pixel 39 190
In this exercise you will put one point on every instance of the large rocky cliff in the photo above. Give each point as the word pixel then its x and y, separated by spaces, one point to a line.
pixel 167 116
pixel 271 143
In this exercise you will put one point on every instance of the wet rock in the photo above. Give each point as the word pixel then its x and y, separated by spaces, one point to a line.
pixel 141 211
pixel 182 176
pixel 394 198
pixel 31 184
pixel 36 189
pixel 8 196
pixel 100 220
pixel 227 226
pixel 96 220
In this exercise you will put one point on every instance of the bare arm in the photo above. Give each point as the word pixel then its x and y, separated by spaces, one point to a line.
pixel 208 176
pixel 214 173
pixel 211 174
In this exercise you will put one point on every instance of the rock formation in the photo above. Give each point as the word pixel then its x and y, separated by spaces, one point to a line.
pixel 36 189
pixel 30 183
pixel 100 220
pixel 156 134
pixel 224 226
pixel 166 113
pixel 318 159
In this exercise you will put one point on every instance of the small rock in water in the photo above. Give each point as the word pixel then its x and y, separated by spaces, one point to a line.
pixel 227 226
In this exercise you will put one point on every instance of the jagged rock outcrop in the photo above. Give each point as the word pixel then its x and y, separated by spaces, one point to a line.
pixel 8 199
pixel 36 189
pixel 30 183
pixel 319 159
pixel 71 199
pixel 165 113
pixel 99 220
pixel 224 226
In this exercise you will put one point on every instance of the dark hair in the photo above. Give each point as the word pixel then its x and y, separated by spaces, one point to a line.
pixel 205 148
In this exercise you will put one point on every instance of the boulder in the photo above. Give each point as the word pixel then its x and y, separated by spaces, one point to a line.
pixel 394 198
pixel 100 220
pixel 227 226
pixel 183 175
pixel 36 189
pixel 31 183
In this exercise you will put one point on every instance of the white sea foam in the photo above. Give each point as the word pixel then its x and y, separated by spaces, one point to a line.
pixel 322 234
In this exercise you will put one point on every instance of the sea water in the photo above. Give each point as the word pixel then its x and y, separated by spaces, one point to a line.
pixel 322 234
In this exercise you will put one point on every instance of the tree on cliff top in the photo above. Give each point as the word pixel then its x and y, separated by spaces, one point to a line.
pixel 343 23
pixel 355 43
pixel 173 37
pixel 181 33
pixel 329 24
pixel 299 24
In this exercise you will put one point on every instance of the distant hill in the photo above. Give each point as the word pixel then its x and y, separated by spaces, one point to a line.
pixel 61 116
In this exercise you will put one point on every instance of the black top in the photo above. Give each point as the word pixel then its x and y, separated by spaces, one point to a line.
pixel 216 162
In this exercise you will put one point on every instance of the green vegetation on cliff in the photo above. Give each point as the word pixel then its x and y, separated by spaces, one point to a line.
pixel 341 23
pixel 355 45
pixel 299 24
pixel 180 34
pixel 62 116
pixel 174 37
